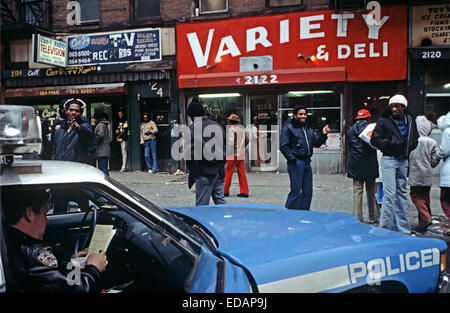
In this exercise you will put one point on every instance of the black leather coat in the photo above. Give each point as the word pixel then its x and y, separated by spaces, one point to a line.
pixel 32 267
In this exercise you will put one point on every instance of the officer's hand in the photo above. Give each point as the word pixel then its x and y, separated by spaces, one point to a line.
pixel 98 260
pixel 80 254
pixel 326 129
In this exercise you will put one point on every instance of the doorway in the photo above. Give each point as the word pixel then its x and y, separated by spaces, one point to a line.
pixel 263 132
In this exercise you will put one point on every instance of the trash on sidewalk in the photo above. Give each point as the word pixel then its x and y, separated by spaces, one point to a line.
pixel 179 172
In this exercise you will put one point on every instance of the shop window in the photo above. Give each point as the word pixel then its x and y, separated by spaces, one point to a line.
pixel 282 3
pixel 213 6
pixel 146 8
pixel 220 106
pixel 32 12
pixel 324 107
pixel 89 10
pixel 437 87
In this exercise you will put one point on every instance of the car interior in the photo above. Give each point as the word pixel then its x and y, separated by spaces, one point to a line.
pixel 143 256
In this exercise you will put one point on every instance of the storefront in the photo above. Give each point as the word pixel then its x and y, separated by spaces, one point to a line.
pixel 129 70
pixel 131 95
pixel 262 67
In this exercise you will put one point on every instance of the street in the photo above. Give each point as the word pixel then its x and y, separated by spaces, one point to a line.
pixel 331 193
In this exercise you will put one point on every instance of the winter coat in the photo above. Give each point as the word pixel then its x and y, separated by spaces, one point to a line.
pixel 387 136
pixel 148 131
pixel 103 139
pixel 363 163
pixel 443 152
pixel 297 140
pixel 75 146
pixel 197 162
pixel 421 160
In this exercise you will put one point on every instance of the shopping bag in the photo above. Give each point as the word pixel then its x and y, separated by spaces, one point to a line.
pixel 366 134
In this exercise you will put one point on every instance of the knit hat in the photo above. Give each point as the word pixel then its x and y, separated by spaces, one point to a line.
pixel 363 113
pixel 195 108
pixel 399 99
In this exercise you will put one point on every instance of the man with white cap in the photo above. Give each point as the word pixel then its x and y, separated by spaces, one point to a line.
pixel 396 135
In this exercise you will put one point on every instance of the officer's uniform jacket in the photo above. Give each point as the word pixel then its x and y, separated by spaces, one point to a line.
pixel 33 267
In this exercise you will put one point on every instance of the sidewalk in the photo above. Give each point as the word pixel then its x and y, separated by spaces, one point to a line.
pixel 331 193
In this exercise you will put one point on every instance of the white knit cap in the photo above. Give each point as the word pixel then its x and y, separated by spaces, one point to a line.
pixel 399 99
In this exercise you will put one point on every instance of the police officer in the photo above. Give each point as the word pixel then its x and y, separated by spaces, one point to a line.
pixel 33 265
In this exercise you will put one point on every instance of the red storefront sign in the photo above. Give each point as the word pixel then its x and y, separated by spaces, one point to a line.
pixel 313 46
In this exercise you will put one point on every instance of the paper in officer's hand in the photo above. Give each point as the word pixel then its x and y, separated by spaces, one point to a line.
pixel 101 238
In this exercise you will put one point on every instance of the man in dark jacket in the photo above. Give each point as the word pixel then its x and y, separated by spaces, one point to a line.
pixel 74 140
pixel 206 166
pixel 396 136
pixel 296 143
pixel 362 167
pixel 33 264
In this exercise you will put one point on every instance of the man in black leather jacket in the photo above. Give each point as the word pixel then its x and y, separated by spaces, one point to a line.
pixel 32 264
pixel 296 143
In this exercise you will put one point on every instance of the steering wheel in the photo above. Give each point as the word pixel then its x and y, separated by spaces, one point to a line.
pixel 92 224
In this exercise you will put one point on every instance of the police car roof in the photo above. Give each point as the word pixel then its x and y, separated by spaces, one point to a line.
pixel 32 172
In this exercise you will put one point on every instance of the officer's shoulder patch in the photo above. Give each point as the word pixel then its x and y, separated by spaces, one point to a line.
pixel 45 256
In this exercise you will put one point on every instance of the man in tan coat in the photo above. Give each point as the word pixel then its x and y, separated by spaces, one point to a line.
pixel 148 139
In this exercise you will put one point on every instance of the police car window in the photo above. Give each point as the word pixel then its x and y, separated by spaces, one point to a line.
pixel 68 198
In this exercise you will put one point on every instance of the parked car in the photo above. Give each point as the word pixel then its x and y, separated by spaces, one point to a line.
pixel 228 248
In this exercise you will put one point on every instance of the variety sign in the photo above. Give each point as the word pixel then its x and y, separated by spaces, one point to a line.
pixel 115 47
pixel 302 46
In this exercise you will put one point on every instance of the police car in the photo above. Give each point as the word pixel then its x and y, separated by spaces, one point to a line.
pixel 215 249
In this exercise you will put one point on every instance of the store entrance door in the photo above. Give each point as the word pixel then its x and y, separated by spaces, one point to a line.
pixel 263 133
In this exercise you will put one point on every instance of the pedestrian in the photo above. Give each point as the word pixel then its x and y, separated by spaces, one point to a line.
pixel 395 134
pixel 122 138
pixel 102 135
pixel 148 139
pixel 206 168
pixel 443 152
pixel 421 164
pixel 362 168
pixel 74 139
pixel 296 143
pixel 237 140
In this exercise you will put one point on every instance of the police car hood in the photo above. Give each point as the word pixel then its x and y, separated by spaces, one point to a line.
pixel 275 243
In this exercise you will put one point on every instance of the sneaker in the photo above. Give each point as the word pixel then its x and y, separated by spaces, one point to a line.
pixel 244 195
pixel 226 194
pixel 123 170
pixel 150 171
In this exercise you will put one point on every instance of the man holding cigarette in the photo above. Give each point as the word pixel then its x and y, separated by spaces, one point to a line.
pixel 74 140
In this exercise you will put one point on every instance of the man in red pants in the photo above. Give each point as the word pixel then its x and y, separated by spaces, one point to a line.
pixel 236 142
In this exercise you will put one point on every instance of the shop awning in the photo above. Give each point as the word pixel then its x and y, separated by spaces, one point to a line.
pixel 70 91
pixel 260 78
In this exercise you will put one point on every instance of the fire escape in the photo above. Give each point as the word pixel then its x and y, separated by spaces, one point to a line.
pixel 23 14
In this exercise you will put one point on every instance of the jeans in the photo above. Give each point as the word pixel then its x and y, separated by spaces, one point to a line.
pixel 394 211
pixel 103 165
pixel 209 187
pixel 152 163
pixel 300 196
